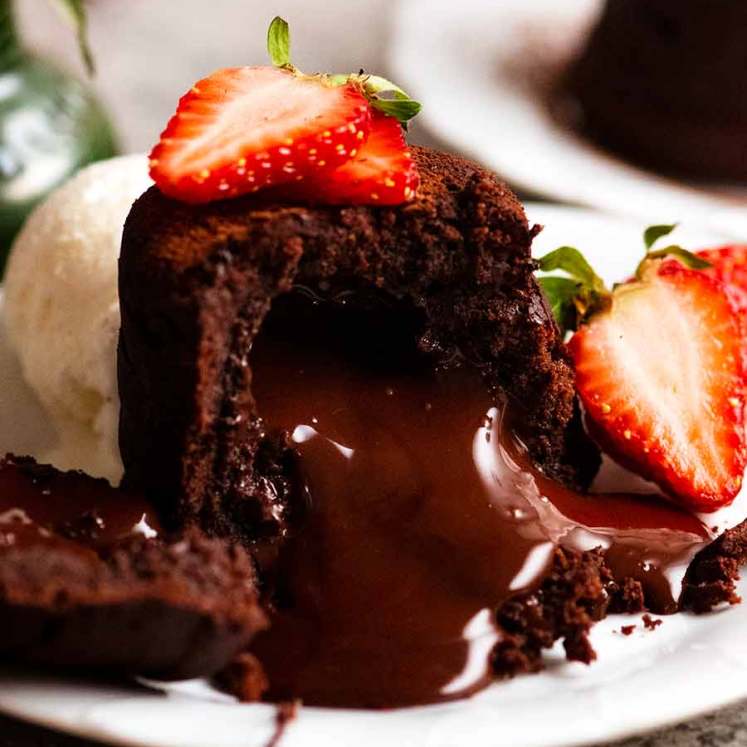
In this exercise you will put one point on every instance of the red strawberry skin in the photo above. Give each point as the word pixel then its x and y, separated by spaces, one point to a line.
pixel 382 173
pixel 246 128
pixel 662 380
pixel 729 265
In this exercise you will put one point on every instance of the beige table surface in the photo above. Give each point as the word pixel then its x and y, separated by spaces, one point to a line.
pixel 150 51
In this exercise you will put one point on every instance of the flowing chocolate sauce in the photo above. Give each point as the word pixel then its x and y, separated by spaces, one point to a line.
pixel 41 506
pixel 420 515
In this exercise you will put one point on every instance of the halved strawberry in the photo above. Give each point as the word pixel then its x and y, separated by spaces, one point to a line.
pixel 729 265
pixel 245 128
pixel 382 173
pixel 661 377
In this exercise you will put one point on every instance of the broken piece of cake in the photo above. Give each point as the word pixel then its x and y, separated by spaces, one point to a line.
pixel 90 582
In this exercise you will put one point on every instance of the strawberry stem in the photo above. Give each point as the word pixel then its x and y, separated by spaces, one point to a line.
pixel 382 94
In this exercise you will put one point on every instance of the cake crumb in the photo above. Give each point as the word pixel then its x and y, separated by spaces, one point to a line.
pixel 627 629
pixel 711 578
pixel 651 623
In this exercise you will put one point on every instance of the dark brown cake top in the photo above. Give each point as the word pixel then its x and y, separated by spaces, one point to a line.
pixel 167 234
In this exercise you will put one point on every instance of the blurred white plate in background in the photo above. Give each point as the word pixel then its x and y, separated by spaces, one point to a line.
pixel 687 666
pixel 482 69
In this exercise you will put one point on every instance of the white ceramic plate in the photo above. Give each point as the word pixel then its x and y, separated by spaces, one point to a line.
pixel 481 67
pixel 687 666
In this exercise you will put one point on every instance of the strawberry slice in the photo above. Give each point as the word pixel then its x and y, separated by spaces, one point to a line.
pixel 383 172
pixel 661 377
pixel 242 129
pixel 729 265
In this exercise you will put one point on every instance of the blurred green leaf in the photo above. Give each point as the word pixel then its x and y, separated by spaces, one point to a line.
pixel 74 11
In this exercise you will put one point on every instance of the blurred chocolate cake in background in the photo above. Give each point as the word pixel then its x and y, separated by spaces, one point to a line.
pixel 664 82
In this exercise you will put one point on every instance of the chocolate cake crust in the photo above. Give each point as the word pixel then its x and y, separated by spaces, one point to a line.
pixel 196 282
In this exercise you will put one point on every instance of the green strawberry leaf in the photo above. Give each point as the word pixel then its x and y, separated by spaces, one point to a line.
pixel 402 111
pixel 571 261
pixel 278 42
pixel 693 261
pixel 390 99
pixel 383 95
pixel 375 84
pixel 653 233
pixel 561 294
pixel 74 11
pixel 578 294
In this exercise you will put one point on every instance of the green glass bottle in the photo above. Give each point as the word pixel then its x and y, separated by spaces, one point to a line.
pixel 50 126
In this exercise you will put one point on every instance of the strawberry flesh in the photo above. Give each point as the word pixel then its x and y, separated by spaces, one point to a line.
pixel 729 265
pixel 242 129
pixel 382 173
pixel 662 380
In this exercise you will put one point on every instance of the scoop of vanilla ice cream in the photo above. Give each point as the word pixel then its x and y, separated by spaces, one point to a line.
pixel 62 309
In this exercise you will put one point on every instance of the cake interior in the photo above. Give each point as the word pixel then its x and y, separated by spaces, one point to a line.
pixel 416 511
